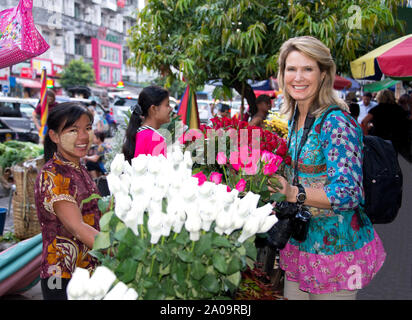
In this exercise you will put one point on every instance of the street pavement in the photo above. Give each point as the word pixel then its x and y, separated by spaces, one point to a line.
pixel 393 281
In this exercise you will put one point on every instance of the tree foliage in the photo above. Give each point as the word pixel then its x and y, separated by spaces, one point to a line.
pixel 77 73
pixel 239 40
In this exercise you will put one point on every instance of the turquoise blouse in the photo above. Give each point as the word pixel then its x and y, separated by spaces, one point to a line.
pixel 331 159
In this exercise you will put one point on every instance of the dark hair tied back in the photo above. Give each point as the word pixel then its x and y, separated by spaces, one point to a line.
pixel 150 96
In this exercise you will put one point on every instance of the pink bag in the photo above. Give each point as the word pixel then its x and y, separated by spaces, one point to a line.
pixel 19 38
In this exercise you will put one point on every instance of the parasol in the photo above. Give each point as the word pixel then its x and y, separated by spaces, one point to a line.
pixel 392 59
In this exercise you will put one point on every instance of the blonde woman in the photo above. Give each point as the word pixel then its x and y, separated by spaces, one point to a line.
pixel 342 252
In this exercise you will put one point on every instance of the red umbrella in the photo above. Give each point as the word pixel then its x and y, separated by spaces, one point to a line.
pixel 270 93
pixel 341 83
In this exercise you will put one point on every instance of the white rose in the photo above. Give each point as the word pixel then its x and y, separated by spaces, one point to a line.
pixel 117 165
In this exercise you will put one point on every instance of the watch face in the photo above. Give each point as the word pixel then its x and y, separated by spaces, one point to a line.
pixel 301 197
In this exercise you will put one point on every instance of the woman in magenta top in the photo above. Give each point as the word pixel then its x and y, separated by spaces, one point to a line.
pixel 151 111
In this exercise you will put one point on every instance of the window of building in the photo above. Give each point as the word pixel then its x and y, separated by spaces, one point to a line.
pixel 115 75
pixel 109 54
pixel 104 74
pixel 78 14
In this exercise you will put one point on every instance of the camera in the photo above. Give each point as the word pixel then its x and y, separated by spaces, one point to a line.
pixel 293 222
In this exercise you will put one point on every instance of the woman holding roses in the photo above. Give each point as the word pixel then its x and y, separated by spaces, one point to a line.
pixel 342 251
pixel 68 225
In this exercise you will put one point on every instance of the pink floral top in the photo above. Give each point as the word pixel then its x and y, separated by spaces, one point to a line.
pixel 59 180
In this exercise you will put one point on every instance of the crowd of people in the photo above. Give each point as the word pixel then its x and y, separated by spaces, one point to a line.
pixel 380 114
pixel 325 175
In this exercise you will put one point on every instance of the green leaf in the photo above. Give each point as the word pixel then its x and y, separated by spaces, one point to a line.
pixel 126 271
pixel 185 256
pixel 138 253
pixel 154 294
pixel 103 204
pixel 210 283
pixel 198 270
pixel 278 197
pixel 204 244
pixel 219 262
pixel 102 241
pixel 120 235
pixel 183 237
pixel 105 220
pixel 178 274
pixel 220 241
pixel 234 265
pixel 129 238
pixel 250 247
pixel 234 279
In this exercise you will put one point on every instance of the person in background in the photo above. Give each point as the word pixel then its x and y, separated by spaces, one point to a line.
pixel 263 104
pixel 51 101
pixel 97 120
pixel 325 175
pixel 151 111
pixel 223 110
pixel 95 159
pixel 365 106
pixel 405 101
pixel 387 120
pixel 68 225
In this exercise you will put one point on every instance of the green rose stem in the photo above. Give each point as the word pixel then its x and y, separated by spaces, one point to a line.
pixel 188 268
pixel 141 231
pixel 261 184
pixel 153 260
pixel 224 171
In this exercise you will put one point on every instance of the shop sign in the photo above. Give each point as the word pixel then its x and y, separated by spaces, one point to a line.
pixel 38 64
pixel 27 73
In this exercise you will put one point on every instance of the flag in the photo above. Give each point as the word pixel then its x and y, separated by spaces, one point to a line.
pixel 43 103
pixel 188 109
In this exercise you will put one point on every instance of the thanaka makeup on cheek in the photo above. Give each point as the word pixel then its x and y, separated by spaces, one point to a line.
pixel 68 140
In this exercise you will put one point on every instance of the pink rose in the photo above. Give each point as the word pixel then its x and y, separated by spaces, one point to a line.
pixel 241 185
pixel 221 158
pixel 201 177
pixel 228 189
pixel 216 177
pixel 270 169
pixel 234 160
pixel 267 156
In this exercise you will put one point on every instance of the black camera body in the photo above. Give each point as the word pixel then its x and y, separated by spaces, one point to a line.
pixel 293 222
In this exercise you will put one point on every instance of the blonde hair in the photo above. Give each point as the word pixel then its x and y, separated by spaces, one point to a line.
pixel 315 49
pixel 386 96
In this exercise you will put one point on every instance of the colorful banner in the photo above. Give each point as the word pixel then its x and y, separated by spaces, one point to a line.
pixel 188 109
pixel 43 103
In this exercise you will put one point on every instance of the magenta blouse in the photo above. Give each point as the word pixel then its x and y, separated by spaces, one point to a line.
pixel 149 141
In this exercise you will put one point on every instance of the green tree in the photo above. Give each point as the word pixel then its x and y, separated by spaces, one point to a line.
pixel 239 40
pixel 176 87
pixel 77 73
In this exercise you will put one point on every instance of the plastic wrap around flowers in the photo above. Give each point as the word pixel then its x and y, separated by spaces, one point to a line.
pixel 96 287
pixel 167 191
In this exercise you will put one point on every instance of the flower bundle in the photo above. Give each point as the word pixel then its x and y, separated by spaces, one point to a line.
pixel 246 156
pixel 278 123
pixel 170 237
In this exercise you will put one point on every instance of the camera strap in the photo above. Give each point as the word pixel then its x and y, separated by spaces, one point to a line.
pixel 307 126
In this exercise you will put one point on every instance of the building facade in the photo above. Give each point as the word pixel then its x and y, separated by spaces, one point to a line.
pixel 95 30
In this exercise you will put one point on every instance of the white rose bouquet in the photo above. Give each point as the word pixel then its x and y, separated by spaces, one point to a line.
pixel 169 238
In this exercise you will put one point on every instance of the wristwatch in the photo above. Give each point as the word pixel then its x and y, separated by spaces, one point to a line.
pixel 301 196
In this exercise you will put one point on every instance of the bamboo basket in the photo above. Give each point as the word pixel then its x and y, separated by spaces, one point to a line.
pixel 26 223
